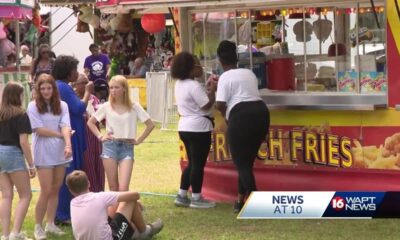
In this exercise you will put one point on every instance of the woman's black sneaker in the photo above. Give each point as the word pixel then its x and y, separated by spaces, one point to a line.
pixel 65 223
pixel 238 206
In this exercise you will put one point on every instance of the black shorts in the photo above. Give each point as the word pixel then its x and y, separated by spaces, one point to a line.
pixel 120 227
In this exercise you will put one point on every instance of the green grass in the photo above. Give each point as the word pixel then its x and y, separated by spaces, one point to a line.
pixel 157 170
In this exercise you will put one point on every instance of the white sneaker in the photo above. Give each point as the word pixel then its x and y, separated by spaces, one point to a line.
pixel 52 228
pixel 39 233
pixel 18 236
pixel 4 237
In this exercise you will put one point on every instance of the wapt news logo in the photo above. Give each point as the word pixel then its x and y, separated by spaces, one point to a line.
pixel 321 204
pixel 354 204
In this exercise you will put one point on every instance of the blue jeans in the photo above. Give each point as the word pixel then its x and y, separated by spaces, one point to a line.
pixel 117 150
pixel 11 159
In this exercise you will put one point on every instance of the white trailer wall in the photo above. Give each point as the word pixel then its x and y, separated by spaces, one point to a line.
pixel 74 43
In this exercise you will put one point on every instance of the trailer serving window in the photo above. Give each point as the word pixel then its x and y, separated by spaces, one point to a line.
pixel 304 55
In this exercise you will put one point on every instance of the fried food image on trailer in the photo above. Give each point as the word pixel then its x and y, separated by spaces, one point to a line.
pixel 385 156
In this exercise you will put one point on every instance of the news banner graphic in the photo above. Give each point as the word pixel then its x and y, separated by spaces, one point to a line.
pixel 301 205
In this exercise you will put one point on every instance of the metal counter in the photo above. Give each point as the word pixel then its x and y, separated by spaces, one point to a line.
pixel 323 100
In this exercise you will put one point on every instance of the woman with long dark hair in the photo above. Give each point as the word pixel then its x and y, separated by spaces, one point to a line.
pixel 239 101
pixel 50 122
pixel 14 149
pixel 43 63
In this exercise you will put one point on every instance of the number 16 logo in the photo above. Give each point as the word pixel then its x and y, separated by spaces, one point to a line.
pixel 338 203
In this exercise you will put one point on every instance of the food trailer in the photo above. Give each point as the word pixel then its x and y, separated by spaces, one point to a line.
pixel 328 71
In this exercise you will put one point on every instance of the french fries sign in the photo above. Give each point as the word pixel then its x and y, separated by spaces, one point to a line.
pixel 310 147
pixel 293 147
pixel 315 146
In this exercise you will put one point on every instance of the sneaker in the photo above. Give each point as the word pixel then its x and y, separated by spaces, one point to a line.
pixel 4 238
pixel 156 227
pixel 39 233
pixel 201 203
pixel 238 206
pixel 51 228
pixel 182 201
pixel 58 222
pixel 18 236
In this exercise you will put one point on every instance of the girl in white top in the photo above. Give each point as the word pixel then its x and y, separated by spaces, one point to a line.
pixel 121 121
pixel 195 126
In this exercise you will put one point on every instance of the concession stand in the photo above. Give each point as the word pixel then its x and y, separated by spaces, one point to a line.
pixel 328 71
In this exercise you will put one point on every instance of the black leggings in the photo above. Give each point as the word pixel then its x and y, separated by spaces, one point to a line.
pixel 197 146
pixel 247 127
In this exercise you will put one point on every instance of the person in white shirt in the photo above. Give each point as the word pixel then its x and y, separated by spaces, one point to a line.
pixel 195 125
pixel 121 117
pixel 239 102
pixel 138 68
pixel 25 58
pixel 92 218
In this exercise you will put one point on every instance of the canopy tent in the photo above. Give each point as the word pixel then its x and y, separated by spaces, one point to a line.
pixel 15 12
pixel 16 9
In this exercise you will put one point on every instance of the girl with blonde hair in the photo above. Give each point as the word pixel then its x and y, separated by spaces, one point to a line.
pixel 121 115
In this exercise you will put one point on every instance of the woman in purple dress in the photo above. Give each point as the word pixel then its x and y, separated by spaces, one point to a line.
pixel 92 163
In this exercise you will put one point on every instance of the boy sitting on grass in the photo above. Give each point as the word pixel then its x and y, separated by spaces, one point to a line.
pixel 89 213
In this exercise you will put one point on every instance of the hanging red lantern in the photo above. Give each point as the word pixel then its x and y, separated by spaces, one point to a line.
pixel 153 23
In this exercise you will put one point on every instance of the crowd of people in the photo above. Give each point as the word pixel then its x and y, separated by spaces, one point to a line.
pixel 63 118
pixel 71 155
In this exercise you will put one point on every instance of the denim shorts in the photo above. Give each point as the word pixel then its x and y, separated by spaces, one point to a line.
pixel 11 159
pixel 117 150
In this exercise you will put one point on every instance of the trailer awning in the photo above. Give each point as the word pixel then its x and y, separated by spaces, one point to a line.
pixel 110 6
pixel 120 5
pixel 63 3
pixel 143 4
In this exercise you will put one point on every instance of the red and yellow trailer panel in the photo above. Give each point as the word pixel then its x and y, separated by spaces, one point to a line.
pixel 331 150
